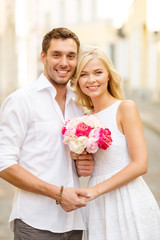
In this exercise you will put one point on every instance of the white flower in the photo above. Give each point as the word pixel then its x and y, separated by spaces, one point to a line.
pixel 77 144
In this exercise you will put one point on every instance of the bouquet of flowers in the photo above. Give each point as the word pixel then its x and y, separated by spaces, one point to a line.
pixel 86 133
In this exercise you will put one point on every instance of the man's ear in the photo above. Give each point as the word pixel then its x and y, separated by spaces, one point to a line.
pixel 43 57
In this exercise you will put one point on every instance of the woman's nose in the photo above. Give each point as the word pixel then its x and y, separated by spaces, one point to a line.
pixel 91 78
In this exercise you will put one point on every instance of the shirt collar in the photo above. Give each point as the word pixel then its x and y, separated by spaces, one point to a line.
pixel 70 93
pixel 44 83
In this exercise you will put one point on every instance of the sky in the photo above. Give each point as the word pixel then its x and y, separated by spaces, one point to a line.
pixel 153 15
pixel 117 10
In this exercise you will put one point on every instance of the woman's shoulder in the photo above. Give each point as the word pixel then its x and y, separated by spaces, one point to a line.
pixel 127 108
pixel 127 105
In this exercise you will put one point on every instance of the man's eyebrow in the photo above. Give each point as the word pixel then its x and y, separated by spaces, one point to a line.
pixel 72 53
pixel 57 51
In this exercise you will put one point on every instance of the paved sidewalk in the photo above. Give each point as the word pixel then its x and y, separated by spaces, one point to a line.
pixel 6 196
pixel 149 112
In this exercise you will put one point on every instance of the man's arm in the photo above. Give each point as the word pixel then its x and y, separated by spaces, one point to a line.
pixel 14 118
pixel 21 178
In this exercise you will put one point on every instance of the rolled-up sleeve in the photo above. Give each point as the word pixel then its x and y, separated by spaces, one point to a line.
pixel 14 116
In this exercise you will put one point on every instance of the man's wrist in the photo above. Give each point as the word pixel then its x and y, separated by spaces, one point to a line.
pixel 60 195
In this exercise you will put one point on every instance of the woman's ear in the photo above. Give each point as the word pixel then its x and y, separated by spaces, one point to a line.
pixel 109 77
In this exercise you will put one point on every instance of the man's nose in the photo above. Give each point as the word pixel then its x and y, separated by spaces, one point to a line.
pixel 63 61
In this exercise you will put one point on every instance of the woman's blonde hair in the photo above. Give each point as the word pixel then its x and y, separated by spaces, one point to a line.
pixel 114 84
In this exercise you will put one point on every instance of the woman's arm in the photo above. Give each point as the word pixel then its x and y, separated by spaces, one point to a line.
pixel 129 123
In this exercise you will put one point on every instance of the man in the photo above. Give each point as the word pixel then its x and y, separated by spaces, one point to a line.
pixel 33 157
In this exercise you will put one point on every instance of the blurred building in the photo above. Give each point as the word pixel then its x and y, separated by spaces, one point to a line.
pixel 8 57
pixel 143 39
pixel 128 39
pixel 133 46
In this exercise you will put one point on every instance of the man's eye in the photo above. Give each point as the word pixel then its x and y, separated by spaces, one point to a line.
pixel 71 57
pixel 56 55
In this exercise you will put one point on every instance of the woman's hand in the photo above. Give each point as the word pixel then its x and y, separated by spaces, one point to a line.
pixel 84 163
pixel 92 193
pixel 73 198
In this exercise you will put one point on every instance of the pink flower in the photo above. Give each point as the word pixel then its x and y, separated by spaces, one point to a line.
pixel 86 133
pixel 63 130
pixel 92 145
pixel 82 130
pixel 94 134
pixel 105 139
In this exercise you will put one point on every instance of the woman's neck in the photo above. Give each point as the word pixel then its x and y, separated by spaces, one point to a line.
pixel 100 103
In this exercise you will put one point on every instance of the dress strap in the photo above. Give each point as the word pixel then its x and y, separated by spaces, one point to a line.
pixel 114 115
pixel 117 105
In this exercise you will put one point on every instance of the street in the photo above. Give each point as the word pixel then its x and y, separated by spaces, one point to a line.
pixel 152 179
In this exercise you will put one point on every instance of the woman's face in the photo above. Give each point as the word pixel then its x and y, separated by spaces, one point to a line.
pixel 93 79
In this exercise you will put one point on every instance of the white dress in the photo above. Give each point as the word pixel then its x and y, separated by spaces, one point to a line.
pixel 129 212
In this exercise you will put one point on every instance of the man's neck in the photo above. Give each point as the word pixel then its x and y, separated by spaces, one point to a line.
pixel 61 98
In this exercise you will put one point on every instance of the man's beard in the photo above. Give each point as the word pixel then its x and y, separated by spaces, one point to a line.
pixel 52 80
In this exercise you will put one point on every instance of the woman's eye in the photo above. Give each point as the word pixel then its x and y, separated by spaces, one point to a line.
pixel 99 72
pixel 83 74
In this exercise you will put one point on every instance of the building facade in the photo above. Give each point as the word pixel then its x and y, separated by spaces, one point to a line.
pixel 133 48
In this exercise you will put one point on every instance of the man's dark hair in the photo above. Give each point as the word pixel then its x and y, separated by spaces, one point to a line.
pixel 59 33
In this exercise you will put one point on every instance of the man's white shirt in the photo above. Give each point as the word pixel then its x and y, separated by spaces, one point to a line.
pixel 30 135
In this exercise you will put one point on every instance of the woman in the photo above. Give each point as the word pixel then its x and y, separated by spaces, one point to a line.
pixel 122 206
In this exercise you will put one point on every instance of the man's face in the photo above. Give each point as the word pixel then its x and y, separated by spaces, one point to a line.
pixel 60 61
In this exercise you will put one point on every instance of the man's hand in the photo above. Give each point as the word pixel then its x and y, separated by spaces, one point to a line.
pixel 73 198
pixel 84 163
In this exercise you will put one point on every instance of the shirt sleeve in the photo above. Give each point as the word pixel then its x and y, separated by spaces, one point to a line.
pixel 14 118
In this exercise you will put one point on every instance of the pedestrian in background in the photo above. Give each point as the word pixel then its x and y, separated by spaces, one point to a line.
pixel 121 206
pixel 33 157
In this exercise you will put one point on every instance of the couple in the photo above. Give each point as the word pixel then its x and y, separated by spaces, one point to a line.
pixel 33 158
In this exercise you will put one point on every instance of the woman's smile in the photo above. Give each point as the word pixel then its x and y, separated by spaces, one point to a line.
pixel 93 88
